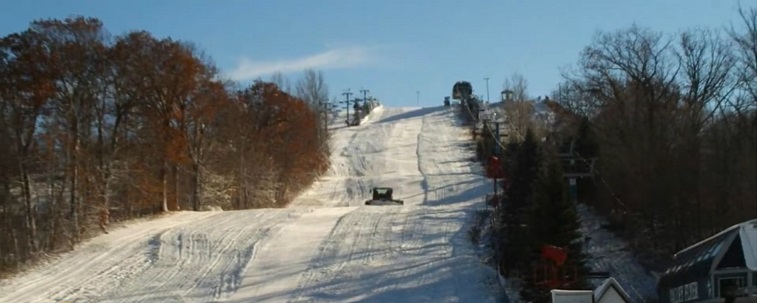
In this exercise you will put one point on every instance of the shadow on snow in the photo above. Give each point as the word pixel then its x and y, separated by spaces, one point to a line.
pixel 411 114
pixel 403 260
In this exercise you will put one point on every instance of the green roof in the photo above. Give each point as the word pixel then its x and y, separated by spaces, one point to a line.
pixel 695 262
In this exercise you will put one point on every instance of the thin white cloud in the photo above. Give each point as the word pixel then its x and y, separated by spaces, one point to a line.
pixel 334 58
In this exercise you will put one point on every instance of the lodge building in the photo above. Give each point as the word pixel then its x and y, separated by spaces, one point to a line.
pixel 709 270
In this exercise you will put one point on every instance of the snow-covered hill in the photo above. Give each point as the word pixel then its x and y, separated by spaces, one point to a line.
pixel 326 247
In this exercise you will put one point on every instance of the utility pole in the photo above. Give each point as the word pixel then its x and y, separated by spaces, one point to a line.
pixel 486 126
pixel 417 97
pixel 487 89
pixel 325 106
pixel 498 138
pixel 365 96
pixel 347 103
pixel 496 153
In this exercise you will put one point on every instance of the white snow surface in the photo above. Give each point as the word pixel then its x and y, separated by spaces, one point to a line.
pixel 326 247
pixel 607 252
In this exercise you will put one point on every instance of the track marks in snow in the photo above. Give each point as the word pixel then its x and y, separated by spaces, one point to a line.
pixel 97 265
pixel 355 153
pixel 449 176
pixel 187 257
pixel 283 257
pixel 395 254
pixel 350 242
pixel 369 155
pixel 200 262
pixel 314 251
pixel 410 253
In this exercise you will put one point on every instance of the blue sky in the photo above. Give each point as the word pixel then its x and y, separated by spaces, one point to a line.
pixel 391 47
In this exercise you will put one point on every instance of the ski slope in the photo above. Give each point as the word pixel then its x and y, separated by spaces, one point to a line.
pixel 326 247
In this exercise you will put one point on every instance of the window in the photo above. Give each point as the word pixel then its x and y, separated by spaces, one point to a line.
pixel 715 250
pixel 729 284
pixel 712 250
pixel 691 291
pixel 703 254
pixel 683 293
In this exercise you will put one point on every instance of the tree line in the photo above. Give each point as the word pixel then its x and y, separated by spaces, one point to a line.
pixel 138 125
pixel 671 121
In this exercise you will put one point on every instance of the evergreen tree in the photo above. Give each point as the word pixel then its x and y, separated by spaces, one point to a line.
pixel 554 221
pixel 553 215
pixel 523 170
pixel 499 240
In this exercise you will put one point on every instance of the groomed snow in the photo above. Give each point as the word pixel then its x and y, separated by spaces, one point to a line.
pixel 326 247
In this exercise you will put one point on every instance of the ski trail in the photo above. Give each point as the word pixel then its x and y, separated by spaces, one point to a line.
pixel 270 275
pixel 216 252
pixel 98 264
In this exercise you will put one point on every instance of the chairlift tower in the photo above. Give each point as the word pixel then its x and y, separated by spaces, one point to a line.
pixel 365 98
pixel 365 94
pixel 576 167
pixel 346 103
pixel 325 107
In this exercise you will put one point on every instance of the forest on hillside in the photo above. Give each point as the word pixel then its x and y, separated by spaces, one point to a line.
pixel 139 125
pixel 669 122
pixel 672 122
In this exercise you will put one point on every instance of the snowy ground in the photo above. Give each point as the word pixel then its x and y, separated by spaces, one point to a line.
pixel 327 247
pixel 610 253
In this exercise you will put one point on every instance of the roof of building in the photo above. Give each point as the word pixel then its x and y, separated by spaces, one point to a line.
pixel 748 232
pixel 748 227
pixel 602 289
pixel 697 260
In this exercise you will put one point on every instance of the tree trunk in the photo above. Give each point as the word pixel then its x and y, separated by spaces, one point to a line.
pixel 176 192
pixel 73 205
pixel 30 222
pixel 54 208
pixel 196 186
pixel 17 254
pixel 164 181
pixel 242 180
pixel 107 181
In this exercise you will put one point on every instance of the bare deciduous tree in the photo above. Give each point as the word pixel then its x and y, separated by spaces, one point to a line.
pixel 138 126
pixel 519 85
pixel 672 117
pixel 312 87
pixel 282 82
pixel 519 111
